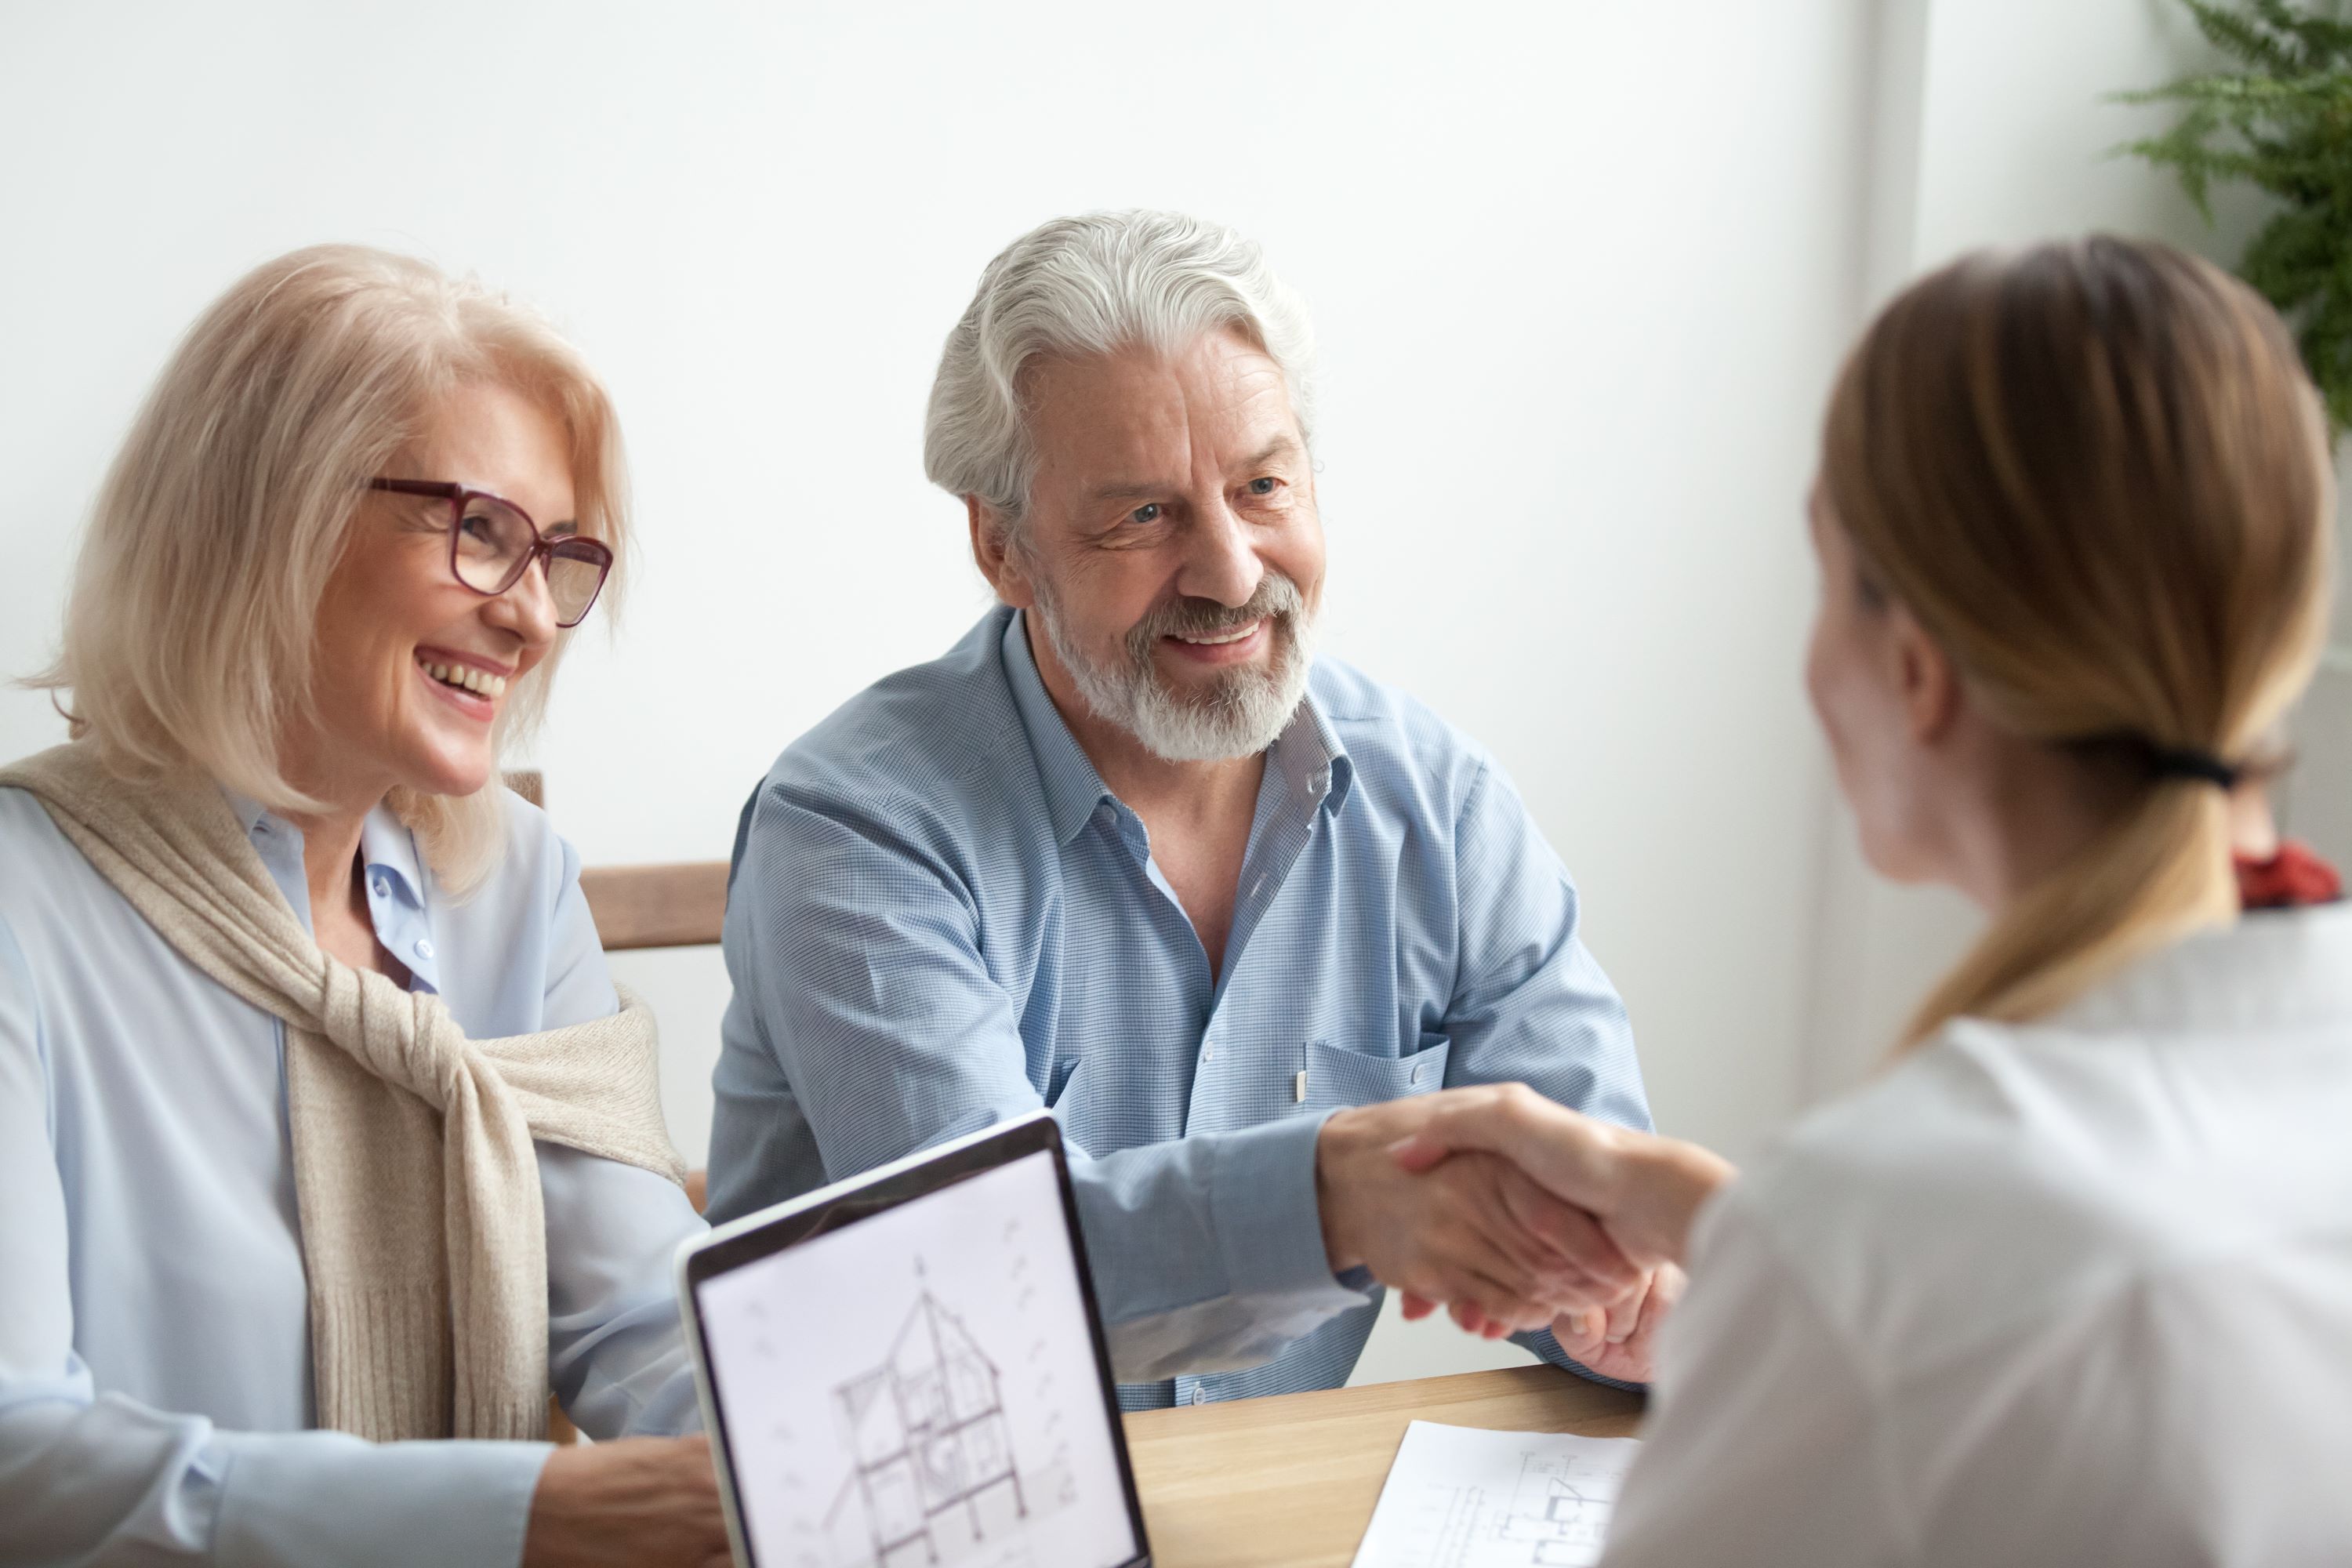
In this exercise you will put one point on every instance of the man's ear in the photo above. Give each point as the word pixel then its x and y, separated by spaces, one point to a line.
pixel 993 554
pixel 1925 675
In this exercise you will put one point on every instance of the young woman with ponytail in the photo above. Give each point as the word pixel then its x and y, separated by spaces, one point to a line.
pixel 2071 1281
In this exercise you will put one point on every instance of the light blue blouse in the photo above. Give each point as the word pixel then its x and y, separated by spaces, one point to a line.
pixel 155 1387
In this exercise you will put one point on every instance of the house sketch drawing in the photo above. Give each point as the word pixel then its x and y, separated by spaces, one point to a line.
pixel 1467 1497
pixel 1557 1515
pixel 931 1473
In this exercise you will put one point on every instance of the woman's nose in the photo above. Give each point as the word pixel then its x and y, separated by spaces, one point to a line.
pixel 528 608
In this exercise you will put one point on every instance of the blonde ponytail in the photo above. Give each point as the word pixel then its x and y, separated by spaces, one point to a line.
pixel 2098 477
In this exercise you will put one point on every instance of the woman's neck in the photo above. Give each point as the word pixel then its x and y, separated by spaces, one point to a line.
pixel 2032 807
pixel 331 837
pixel 330 851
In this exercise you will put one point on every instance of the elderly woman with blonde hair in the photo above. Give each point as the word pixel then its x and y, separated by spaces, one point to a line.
pixel 328 1148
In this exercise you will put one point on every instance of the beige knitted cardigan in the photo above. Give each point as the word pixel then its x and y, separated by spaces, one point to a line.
pixel 423 1235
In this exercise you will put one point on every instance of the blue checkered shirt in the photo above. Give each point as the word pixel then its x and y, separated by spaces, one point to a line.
pixel 940 917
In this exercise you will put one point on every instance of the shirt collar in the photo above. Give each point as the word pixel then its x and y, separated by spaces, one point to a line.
pixel 1313 762
pixel 1073 788
pixel 2270 969
pixel 250 813
pixel 387 850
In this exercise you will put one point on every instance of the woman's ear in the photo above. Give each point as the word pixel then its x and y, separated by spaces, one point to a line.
pixel 993 553
pixel 1925 677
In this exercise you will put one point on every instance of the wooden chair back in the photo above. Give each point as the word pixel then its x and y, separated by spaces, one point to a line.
pixel 678 905
pixel 683 904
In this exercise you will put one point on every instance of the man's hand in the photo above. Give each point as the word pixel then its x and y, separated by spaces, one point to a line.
pixel 1643 1189
pixel 637 1502
pixel 1474 1231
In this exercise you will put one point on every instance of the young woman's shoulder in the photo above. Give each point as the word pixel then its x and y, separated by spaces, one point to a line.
pixel 1961 1194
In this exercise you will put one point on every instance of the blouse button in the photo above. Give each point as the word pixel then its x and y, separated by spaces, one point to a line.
pixel 424 947
pixel 382 888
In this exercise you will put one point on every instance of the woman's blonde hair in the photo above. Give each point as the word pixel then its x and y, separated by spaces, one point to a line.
pixel 2098 477
pixel 190 636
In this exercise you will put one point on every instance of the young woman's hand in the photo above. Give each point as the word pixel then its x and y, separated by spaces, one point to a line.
pixel 1643 1189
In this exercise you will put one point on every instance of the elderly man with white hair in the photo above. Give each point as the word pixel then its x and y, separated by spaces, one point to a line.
pixel 1132 851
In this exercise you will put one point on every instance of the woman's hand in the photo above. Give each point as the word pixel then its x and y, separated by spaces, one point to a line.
pixel 636 1503
pixel 1643 1189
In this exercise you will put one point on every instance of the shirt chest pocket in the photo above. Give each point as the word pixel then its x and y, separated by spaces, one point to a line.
pixel 1336 1076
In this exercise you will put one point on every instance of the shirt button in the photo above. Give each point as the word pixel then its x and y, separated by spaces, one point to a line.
pixel 1199 1394
pixel 382 888
pixel 1416 1072
pixel 424 947
pixel 1208 1053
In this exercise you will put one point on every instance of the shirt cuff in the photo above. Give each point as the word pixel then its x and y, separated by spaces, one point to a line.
pixel 1543 1343
pixel 1269 1226
pixel 318 1497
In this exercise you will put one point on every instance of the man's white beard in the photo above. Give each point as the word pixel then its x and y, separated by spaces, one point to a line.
pixel 1239 713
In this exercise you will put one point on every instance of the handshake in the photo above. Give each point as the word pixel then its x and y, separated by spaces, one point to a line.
pixel 1515 1213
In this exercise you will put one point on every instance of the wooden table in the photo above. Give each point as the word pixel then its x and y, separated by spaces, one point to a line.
pixel 1291 1481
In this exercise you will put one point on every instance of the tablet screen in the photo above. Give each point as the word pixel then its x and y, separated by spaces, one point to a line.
pixel 919 1387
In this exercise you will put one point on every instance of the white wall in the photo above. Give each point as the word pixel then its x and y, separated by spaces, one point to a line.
pixel 2001 116
pixel 1580 274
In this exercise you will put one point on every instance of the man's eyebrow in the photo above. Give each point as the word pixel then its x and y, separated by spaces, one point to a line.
pixel 1281 446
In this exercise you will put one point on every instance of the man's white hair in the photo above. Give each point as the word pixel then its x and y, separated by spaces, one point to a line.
pixel 1092 285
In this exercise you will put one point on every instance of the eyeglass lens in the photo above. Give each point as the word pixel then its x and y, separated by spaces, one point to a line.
pixel 493 541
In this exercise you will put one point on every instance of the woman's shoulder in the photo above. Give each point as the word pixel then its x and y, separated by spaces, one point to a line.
pixel 517 941
pixel 537 856
pixel 41 872
pixel 531 871
pixel 1961 1191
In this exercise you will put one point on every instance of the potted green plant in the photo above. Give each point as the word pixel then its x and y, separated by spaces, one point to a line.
pixel 2282 123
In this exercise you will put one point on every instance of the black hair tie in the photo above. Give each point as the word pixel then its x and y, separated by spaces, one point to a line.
pixel 2182 763
pixel 2134 749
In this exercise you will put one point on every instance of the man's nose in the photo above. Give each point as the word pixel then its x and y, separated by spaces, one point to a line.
pixel 1221 559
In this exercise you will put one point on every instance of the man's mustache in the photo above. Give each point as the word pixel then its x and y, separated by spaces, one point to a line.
pixel 1278 599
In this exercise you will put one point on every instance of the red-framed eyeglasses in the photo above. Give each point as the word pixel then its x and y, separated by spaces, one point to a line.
pixel 493 541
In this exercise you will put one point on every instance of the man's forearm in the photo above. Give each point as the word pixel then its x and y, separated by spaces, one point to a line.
pixel 1207 1252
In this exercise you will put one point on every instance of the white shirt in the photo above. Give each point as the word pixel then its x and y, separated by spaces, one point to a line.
pixel 2079 1292
pixel 154 1326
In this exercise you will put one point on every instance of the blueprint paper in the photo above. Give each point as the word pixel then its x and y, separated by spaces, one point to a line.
pixel 1463 1496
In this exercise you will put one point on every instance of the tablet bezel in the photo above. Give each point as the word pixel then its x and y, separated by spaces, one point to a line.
pixel 832 1208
